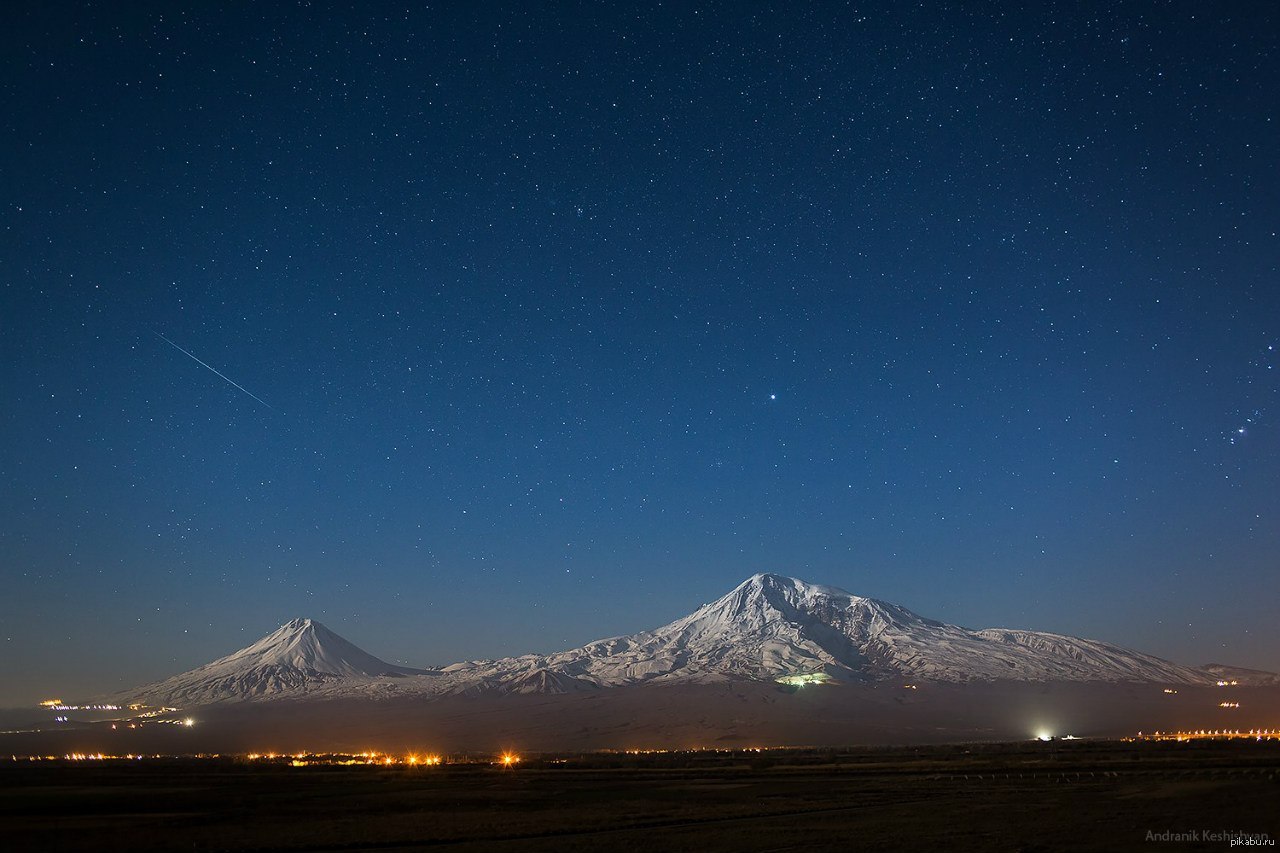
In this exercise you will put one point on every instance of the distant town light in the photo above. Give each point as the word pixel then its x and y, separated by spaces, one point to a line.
pixel 801 679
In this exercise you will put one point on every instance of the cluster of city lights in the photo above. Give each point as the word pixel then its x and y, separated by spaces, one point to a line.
pixel 369 758
pixel 59 705
pixel 506 759
pixel 186 722
pixel 140 714
pixel 154 712
pixel 1204 734
pixel 302 760
pixel 140 710
pixel 703 750
pixel 104 756
pixel 700 749
pixel 92 756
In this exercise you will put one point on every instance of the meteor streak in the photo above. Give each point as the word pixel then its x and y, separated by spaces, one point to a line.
pixel 214 369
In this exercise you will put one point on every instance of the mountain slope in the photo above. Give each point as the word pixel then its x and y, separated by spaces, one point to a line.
pixel 772 626
pixel 767 628
pixel 301 656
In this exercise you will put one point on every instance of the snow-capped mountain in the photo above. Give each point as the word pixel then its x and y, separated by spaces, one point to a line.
pixel 770 627
pixel 299 657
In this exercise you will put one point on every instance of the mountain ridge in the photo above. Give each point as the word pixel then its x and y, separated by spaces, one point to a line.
pixel 769 627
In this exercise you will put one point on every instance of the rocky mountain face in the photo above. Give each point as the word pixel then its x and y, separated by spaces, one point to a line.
pixel 770 627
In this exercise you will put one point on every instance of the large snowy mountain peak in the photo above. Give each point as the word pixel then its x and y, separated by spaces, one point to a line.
pixel 770 596
pixel 774 596
pixel 769 627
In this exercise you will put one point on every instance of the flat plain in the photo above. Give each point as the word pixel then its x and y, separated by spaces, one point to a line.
pixel 1073 795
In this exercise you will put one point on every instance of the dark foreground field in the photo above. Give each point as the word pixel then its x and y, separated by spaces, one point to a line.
pixel 1056 796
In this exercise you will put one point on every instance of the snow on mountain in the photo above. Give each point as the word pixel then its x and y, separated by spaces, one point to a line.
pixel 769 627
pixel 299 657
pixel 772 626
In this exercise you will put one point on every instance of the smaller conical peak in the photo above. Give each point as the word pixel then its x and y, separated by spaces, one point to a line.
pixel 306 644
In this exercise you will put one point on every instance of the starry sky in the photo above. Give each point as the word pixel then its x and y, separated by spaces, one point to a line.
pixel 479 329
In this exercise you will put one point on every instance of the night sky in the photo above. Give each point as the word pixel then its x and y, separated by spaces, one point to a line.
pixel 536 323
